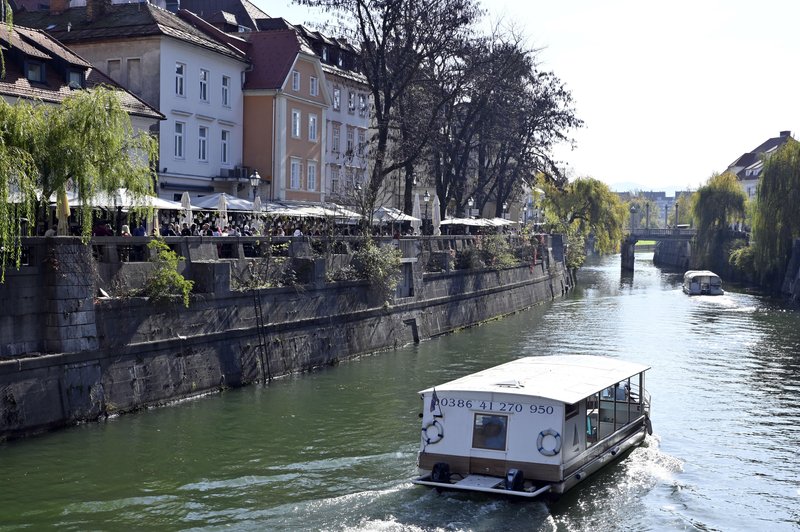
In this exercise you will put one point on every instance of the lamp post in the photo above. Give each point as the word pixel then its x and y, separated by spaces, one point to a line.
pixel 666 213
pixel 255 179
pixel 647 208
pixel 676 214
pixel 470 203
pixel 633 212
pixel 505 208
pixel 426 198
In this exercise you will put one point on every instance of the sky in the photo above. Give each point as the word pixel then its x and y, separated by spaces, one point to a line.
pixel 669 92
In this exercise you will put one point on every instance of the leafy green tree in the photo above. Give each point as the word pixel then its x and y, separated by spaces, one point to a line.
pixel 86 144
pixel 586 207
pixel 717 204
pixel 776 220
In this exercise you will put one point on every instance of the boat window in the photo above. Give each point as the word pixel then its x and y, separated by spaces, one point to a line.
pixel 489 432
pixel 571 411
pixel 592 419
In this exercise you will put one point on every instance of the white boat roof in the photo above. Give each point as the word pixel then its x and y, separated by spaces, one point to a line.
pixel 564 378
pixel 699 273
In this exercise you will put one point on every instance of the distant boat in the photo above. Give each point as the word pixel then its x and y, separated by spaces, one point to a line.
pixel 533 426
pixel 702 282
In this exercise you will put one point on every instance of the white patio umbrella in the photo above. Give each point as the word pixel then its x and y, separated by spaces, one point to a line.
pixel 257 224
pixel 416 224
pixel 186 209
pixel 62 213
pixel 222 209
pixel 437 216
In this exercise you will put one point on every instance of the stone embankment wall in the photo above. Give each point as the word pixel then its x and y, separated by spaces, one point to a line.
pixel 791 282
pixel 88 357
pixel 673 254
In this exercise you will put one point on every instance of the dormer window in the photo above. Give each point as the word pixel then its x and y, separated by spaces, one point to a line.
pixel 325 53
pixel 75 79
pixel 34 71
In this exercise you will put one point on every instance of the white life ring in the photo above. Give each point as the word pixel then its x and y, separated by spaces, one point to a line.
pixel 436 436
pixel 540 440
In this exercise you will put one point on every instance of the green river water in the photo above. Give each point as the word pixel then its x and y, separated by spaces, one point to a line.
pixel 335 450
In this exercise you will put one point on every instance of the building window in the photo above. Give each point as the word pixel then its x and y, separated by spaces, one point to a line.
pixel 34 71
pixel 325 53
pixel 180 74
pixel 224 142
pixel 202 143
pixel 296 123
pixel 314 86
pixel 362 141
pixel 337 99
pixel 296 170
pixel 295 80
pixel 336 142
pixel 349 150
pixel 226 87
pixel 114 69
pixel 312 128
pixel 75 79
pixel 362 104
pixel 351 101
pixel 334 179
pixel 311 177
pixel 489 432
pixel 133 67
pixel 179 129
pixel 203 85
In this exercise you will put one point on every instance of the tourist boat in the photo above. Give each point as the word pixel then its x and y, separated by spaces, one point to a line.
pixel 702 282
pixel 534 426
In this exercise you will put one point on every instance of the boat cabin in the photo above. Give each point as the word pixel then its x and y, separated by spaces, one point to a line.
pixel 702 282
pixel 533 425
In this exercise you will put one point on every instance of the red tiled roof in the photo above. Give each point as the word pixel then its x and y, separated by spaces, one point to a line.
pixel 272 53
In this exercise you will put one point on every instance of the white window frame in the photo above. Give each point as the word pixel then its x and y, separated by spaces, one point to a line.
pixel 335 179
pixel 202 144
pixel 295 80
pixel 313 86
pixel 224 145
pixel 179 139
pixel 351 102
pixel 336 138
pixel 204 77
pixel 226 91
pixel 180 79
pixel 312 128
pixel 362 141
pixel 296 171
pixel 311 176
pixel 297 117
pixel 350 146
pixel 337 99
pixel 362 104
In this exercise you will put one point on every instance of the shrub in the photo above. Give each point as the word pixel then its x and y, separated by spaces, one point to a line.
pixel 380 265
pixel 165 281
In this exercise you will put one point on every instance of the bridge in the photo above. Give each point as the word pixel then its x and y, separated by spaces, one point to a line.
pixel 678 233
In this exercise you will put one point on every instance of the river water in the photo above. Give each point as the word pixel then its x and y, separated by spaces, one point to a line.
pixel 335 450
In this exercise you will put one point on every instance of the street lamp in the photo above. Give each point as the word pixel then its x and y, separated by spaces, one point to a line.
pixel 470 203
pixel 647 207
pixel 255 179
pixel 666 213
pixel 426 198
pixel 633 211
pixel 676 214
pixel 505 208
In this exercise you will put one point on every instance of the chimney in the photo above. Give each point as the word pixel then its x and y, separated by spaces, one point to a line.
pixel 58 6
pixel 96 9
pixel 785 133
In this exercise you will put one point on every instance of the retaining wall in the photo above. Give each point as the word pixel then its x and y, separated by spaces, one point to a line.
pixel 138 355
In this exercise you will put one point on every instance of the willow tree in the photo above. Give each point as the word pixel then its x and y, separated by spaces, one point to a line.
pixel 586 207
pixel 716 205
pixel 87 145
pixel 776 220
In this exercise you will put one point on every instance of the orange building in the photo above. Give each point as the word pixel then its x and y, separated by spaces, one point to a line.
pixel 284 116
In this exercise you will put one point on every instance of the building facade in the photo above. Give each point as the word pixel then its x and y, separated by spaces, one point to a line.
pixel 193 79
pixel 749 166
